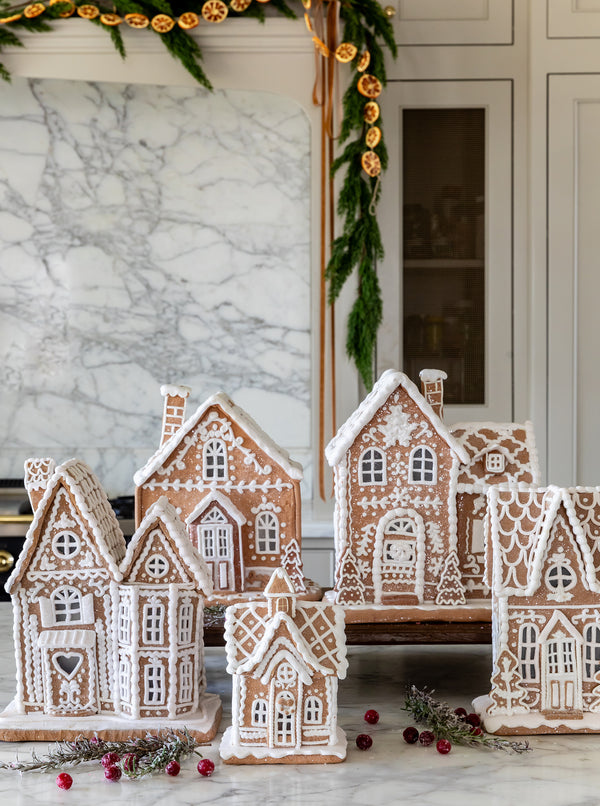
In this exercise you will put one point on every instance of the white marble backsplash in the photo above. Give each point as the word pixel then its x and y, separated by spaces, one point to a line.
pixel 148 235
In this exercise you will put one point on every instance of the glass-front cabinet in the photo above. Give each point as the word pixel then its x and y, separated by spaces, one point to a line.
pixel 447 223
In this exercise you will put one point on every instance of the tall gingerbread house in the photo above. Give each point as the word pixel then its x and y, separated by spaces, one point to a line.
pixel 107 639
pixel 285 657
pixel 544 556
pixel 410 500
pixel 237 491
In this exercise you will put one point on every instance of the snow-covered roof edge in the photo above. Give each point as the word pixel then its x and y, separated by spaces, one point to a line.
pixel 234 412
pixel 388 382
pixel 163 511
pixel 215 497
pixel 63 473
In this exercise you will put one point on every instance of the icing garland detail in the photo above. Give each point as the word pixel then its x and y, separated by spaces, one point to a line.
pixel 366 31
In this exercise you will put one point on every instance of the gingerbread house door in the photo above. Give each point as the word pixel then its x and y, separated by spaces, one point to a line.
pixel 561 659
pixel 69 664
pixel 216 545
pixel 284 699
pixel 398 555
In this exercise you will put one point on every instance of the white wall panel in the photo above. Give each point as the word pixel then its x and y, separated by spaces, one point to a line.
pixel 460 22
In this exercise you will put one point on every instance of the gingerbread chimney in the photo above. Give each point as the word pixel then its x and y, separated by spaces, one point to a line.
pixel 432 386
pixel 174 410
pixel 37 475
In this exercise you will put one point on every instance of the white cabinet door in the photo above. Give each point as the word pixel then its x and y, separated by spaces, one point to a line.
pixel 460 22
pixel 495 248
pixel 573 329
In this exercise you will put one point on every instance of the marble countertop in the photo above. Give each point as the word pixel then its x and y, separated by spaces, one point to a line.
pixel 559 771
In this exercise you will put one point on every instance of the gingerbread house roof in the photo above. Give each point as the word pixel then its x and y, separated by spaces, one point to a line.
pixel 239 416
pixel 92 503
pixel 514 441
pixel 316 629
pixel 215 497
pixel 389 381
pixel 165 513
pixel 280 584
pixel 520 525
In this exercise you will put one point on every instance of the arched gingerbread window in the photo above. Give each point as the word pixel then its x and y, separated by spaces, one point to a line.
pixel 423 466
pixel 215 460
pixel 371 468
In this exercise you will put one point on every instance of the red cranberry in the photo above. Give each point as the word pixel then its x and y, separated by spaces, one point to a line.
pixel 372 717
pixel 128 762
pixel 410 735
pixel 443 746
pixel 64 780
pixel 426 738
pixel 461 713
pixel 476 731
pixel 173 768
pixel 112 772
pixel 473 719
pixel 109 759
pixel 206 767
pixel 363 741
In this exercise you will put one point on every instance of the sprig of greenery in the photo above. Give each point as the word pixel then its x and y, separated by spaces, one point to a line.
pixel 150 754
pixel 441 720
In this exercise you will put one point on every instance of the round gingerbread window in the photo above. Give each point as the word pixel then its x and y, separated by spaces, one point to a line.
pixel 156 566
pixel 65 544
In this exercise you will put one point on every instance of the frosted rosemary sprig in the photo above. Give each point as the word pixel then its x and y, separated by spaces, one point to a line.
pixel 214 615
pixel 139 757
pixel 440 718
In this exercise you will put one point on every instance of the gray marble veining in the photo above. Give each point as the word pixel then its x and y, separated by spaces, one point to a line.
pixel 148 235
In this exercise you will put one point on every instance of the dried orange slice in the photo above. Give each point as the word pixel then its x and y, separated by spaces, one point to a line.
pixel 214 11
pixel 371 112
pixel 188 20
pixel 239 5
pixel 110 19
pixel 321 46
pixel 12 18
pixel 162 23
pixel 307 4
pixel 369 86
pixel 364 61
pixel 345 52
pixel 88 11
pixel 263 1
pixel 371 164
pixel 137 20
pixel 33 10
pixel 308 23
pixel 373 137
pixel 68 12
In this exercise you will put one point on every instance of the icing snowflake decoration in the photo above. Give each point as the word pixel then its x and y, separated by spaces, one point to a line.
pixel 397 428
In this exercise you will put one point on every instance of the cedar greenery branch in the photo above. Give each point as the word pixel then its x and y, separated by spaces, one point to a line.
pixel 366 32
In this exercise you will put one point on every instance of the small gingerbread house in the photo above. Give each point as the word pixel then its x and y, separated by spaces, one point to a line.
pixel 543 562
pixel 410 502
pixel 286 657
pixel 105 636
pixel 237 491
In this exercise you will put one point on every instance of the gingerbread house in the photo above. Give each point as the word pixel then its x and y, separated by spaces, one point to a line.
pixel 237 491
pixel 410 502
pixel 286 657
pixel 543 571
pixel 108 639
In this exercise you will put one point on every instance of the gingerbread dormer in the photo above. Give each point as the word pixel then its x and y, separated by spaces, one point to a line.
pixel 238 492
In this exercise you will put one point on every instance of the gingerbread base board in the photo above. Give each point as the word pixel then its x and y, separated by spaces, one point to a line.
pixel 373 613
pixel 318 754
pixel 15 727
pixel 532 723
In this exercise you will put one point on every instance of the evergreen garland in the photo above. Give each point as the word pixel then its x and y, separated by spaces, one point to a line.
pixel 359 246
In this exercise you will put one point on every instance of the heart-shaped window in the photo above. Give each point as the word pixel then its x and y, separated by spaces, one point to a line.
pixel 68 664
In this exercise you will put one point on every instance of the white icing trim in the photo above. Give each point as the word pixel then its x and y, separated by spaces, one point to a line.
pixel 242 419
pixel 419 583
pixel 172 390
pixel 432 375
pixel 215 497
pixel 389 381
pixel 67 638
pixel 229 748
